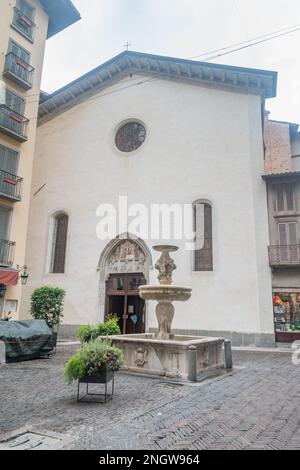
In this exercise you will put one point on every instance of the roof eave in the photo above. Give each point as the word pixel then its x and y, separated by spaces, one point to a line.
pixel 281 176
pixel 62 14
pixel 235 78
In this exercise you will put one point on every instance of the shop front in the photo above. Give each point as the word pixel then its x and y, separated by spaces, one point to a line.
pixel 286 307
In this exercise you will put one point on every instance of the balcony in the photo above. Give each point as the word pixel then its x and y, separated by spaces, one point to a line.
pixel 284 256
pixel 13 124
pixel 7 251
pixel 10 186
pixel 23 24
pixel 18 71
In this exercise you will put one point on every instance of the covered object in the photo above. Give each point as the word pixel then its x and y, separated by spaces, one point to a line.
pixel 25 340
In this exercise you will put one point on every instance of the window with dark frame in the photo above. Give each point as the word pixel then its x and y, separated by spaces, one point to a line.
pixel 23 19
pixel 8 160
pixel 14 102
pixel 203 257
pixel 284 200
pixel 59 244
pixel 18 61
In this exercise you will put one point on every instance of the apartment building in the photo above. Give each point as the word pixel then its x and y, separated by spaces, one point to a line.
pixel 25 25
pixel 282 176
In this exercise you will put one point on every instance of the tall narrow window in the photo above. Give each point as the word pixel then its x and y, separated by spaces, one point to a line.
pixel 5 214
pixel 203 253
pixel 8 160
pixel 14 102
pixel 287 237
pixel 59 243
pixel 23 20
pixel 284 200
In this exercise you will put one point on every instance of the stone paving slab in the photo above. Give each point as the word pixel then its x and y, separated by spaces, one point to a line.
pixel 258 406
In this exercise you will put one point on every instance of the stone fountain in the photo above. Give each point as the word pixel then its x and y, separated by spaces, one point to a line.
pixel 163 353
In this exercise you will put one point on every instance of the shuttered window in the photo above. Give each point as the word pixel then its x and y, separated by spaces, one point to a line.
pixel 4 222
pixel 288 248
pixel 287 233
pixel 203 253
pixel 19 51
pixel 14 102
pixel 284 200
pixel 26 8
pixel 8 160
pixel 60 244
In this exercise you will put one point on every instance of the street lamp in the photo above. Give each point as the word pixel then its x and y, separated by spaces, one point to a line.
pixel 24 276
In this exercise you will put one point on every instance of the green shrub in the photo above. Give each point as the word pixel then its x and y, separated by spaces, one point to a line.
pixel 85 333
pixel 47 304
pixel 75 368
pixel 91 358
pixel 110 327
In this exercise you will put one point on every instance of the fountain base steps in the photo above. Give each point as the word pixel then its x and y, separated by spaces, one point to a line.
pixel 179 357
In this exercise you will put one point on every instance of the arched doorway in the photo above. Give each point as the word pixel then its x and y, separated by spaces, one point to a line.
pixel 124 266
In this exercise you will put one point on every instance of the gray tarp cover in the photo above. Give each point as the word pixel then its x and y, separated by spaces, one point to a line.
pixel 25 340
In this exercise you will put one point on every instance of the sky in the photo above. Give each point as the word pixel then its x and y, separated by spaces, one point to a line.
pixel 182 28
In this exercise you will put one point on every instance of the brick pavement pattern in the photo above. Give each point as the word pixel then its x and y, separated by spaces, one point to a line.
pixel 255 407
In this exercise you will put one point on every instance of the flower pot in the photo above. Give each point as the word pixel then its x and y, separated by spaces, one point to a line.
pixel 103 376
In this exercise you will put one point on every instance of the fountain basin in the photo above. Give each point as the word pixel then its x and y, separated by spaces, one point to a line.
pixel 146 354
pixel 165 293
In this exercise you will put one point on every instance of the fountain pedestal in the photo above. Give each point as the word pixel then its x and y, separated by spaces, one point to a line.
pixel 164 313
pixel 163 353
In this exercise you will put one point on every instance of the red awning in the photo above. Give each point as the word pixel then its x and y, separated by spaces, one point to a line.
pixel 9 277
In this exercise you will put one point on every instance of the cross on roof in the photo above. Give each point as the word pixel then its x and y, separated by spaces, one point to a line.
pixel 127 45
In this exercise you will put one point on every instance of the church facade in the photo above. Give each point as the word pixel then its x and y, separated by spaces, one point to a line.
pixel 153 131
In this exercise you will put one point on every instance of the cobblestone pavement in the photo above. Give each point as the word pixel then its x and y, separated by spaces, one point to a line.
pixel 255 407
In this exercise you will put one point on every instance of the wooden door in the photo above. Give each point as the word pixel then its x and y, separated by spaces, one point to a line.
pixel 123 300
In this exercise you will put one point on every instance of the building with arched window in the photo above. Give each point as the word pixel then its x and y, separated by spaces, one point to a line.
pixel 186 145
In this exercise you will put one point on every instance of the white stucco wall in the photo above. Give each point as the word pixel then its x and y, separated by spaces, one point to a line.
pixel 201 143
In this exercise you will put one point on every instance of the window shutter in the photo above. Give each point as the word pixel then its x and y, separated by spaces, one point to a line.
pixel 25 8
pixel 280 198
pixel 14 102
pixel 4 222
pixel 290 203
pixel 284 197
pixel 292 233
pixel 8 160
pixel 19 51
pixel 60 244
pixel 283 237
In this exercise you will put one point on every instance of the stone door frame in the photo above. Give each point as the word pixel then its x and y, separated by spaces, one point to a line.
pixel 105 268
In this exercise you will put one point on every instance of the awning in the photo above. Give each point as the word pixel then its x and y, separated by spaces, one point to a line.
pixel 9 277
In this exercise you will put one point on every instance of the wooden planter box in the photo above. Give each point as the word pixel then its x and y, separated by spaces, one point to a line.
pixel 287 336
pixel 103 376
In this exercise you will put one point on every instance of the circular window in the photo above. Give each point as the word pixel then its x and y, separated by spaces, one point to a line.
pixel 130 136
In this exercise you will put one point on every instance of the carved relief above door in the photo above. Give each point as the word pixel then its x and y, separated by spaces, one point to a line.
pixel 126 257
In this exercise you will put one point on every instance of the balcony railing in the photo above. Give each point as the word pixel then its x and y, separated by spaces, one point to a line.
pixel 13 124
pixel 284 255
pixel 18 71
pixel 10 186
pixel 23 24
pixel 7 252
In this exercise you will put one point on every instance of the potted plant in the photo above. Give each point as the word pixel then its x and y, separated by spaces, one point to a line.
pixel 95 363
pixel 110 327
pixel 47 304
